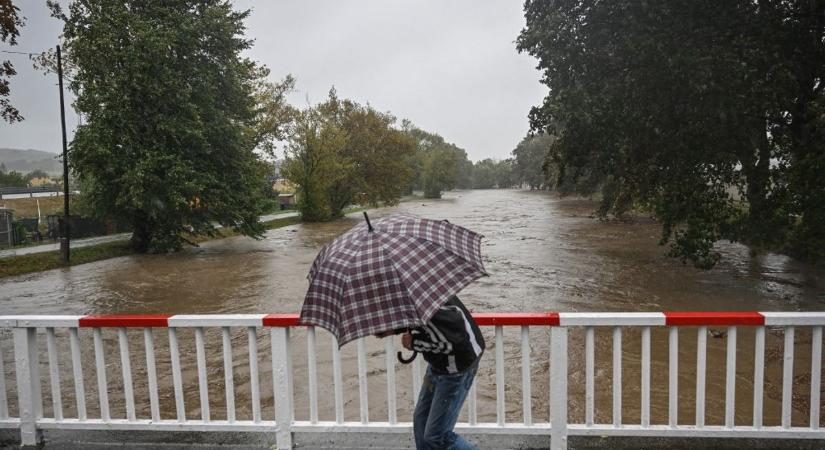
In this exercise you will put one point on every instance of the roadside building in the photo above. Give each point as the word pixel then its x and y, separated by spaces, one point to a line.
pixel 287 200
pixel 286 193
pixel 282 186
pixel 43 181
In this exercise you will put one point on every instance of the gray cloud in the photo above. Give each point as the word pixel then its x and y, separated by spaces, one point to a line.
pixel 449 66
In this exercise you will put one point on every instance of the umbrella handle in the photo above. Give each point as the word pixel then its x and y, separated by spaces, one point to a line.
pixel 406 361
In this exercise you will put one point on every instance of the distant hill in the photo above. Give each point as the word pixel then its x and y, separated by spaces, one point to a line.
pixel 30 160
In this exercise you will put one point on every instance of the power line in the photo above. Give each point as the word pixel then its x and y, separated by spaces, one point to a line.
pixel 35 54
pixel 22 53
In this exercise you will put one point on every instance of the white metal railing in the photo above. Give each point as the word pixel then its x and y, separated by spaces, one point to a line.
pixel 146 412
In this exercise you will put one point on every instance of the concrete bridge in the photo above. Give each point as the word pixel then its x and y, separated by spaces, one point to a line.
pixel 45 400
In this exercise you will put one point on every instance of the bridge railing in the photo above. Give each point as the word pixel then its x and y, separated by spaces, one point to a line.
pixel 43 362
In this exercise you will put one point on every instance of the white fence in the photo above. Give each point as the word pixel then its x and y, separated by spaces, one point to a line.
pixel 29 333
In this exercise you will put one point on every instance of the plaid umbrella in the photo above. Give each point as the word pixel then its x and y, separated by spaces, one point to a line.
pixel 392 274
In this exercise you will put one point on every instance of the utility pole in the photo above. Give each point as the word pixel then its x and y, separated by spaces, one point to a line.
pixel 64 238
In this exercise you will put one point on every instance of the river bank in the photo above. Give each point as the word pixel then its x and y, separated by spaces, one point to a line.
pixel 49 260
pixel 36 258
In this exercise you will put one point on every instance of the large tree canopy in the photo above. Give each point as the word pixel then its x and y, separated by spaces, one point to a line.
pixel 166 143
pixel 438 165
pixel 489 173
pixel 529 157
pixel 342 153
pixel 708 113
pixel 10 23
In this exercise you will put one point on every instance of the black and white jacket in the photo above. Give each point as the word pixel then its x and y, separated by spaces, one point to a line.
pixel 451 341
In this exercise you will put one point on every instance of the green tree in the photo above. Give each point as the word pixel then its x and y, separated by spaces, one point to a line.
pixel 311 163
pixel 505 177
pixel 438 165
pixel 12 178
pixel 465 170
pixel 374 156
pixel 489 173
pixel 439 171
pixel 273 114
pixel 168 104
pixel 529 159
pixel 805 181
pixel 10 22
pixel 485 174
pixel 343 153
pixel 703 112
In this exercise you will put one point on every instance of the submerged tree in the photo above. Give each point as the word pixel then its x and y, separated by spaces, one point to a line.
pixel 312 163
pixel 485 174
pixel 706 113
pixel 343 153
pixel 439 171
pixel 530 159
pixel 505 176
pixel 374 155
pixel 167 101
pixel 439 165
pixel 466 171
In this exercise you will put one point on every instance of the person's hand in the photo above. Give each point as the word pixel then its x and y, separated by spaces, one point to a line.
pixel 406 340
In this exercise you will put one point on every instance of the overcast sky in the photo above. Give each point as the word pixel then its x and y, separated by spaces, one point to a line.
pixel 448 66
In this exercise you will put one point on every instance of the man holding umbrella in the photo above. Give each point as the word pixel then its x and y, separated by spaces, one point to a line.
pixel 403 274
pixel 452 343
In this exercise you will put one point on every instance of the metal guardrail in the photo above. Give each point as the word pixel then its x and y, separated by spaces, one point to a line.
pixel 29 190
pixel 30 419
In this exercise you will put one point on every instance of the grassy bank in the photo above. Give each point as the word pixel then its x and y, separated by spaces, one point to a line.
pixel 38 262
pixel 27 207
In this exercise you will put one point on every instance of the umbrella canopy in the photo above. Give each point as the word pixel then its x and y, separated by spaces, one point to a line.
pixel 392 274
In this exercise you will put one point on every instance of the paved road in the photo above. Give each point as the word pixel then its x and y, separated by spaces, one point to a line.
pixel 85 242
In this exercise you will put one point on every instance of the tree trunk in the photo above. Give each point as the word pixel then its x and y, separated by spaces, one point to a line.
pixel 758 229
pixel 142 234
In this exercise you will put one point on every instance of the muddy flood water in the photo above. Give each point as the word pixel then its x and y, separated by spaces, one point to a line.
pixel 544 253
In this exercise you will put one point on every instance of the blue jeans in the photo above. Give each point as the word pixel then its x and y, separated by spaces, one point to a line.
pixel 437 410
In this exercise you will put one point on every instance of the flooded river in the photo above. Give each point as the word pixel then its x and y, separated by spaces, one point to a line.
pixel 544 253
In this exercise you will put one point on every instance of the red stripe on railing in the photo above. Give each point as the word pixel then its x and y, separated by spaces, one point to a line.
pixel 672 318
pixel 714 318
pixel 488 319
pixel 126 320
pixel 281 320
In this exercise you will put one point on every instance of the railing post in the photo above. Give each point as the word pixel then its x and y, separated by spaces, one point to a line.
pixel 27 369
pixel 281 378
pixel 558 388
